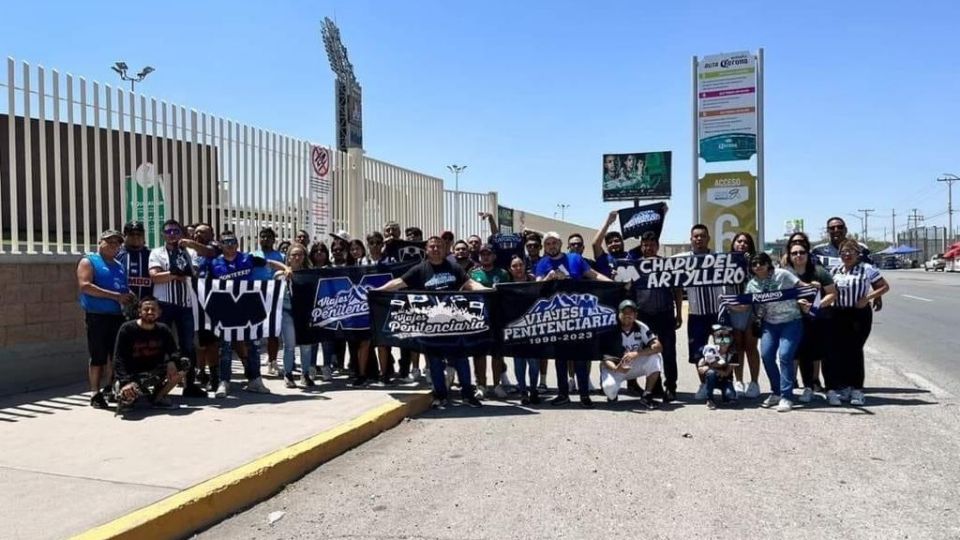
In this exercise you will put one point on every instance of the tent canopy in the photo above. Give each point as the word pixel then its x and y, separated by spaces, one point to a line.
pixel 898 250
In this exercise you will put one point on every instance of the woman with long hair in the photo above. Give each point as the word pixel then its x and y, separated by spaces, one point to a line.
pixel 742 322
pixel 858 284
pixel 358 253
pixel 528 393
pixel 319 255
pixel 296 259
pixel 812 349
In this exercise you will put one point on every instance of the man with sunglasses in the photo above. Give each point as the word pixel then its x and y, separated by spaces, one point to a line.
pixel 171 268
pixel 613 240
pixel 828 253
pixel 575 245
pixel 235 264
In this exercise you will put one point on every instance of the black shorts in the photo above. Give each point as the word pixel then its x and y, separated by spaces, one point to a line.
pixel 206 338
pixel 102 332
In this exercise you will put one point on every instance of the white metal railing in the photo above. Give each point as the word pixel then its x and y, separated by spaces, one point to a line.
pixel 467 222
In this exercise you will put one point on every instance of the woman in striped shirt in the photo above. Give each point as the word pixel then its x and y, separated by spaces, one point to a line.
pixel 858 284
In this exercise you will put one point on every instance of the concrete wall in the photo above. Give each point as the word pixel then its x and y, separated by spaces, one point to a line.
pixel 42 334
pixel 543 224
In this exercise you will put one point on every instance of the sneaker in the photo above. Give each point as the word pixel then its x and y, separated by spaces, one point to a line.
pixel 648 402
pixel 856 398
pixel 272 368
pixel 524 398
pixel 289 381
pixel 845 394
pixel 387 380
pixel 108 394
pixel 439 404
pixel 256 386
pixel 701 393
pixel 326 374
pixel 807 395
pixel 586 402
pixel 359 382
pixel 738 388
pixel 560 400
pixel 194 391
pixel 753 391
pixel 542 387
pixel 833 398
pixel 669 395
pixel 473 402
pixel 312 372
pixel 97 401
pixel 415 374
pixel 479 392
pixel 535 398
pixel 613 399
pixel 771 401
pixel 409 380
pixel 449 374
pixel 784 405
pixel 711 404
pixel 223 389
pixel 203 378
pixel 499 391
pixel 163 403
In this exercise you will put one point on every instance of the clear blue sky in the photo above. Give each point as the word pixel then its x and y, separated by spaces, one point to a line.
pixel 862 98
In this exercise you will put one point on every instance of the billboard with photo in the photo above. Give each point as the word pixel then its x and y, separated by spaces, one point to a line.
pixel 641 175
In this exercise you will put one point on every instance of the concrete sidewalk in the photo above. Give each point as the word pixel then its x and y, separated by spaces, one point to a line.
pixel 66 467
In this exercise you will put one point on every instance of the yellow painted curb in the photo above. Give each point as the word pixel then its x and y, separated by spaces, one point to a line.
pixel 208 502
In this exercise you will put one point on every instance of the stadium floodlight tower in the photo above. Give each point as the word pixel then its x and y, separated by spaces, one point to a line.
pixel 347 89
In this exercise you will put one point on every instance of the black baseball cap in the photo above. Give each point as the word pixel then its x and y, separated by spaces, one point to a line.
pixel 132 227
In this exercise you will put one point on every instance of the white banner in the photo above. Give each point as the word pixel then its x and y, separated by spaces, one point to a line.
pixel 319 214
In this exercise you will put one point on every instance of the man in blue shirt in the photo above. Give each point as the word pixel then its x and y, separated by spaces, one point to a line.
pixel 558 265
pixel 235 264
pixel 606 261
pixel 268 238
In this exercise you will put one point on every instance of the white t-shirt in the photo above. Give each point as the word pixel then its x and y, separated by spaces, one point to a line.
pixel 172 292
pixel 637 338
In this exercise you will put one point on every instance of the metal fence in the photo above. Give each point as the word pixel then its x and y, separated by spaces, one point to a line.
pixel 467 221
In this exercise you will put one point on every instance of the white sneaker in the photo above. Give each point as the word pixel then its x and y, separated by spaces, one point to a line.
pixel 222 390
pixel 272 368
pixel 572 383
pixel 701 393
pixel 256 386
pixel 807 395
pixel 326 374
pixel 450 373
pixel 415 374
pixel 500 392
pixel 784 405
pixel 856 398
pixel 771 401
pixel 738 388
pixel 753 391
pixel 479 392
pixel 833 398
pixel 845 394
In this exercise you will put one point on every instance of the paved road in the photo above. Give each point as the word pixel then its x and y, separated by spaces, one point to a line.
pixel 918 330
pixel 888 470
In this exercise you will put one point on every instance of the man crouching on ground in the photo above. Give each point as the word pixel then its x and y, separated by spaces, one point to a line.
pixel 641 357
pixel 145 359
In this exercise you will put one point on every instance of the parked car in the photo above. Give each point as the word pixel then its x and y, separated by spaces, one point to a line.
pixel 937 262
pixel 890 263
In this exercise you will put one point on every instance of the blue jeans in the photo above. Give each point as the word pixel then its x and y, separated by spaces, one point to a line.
pixel 289 343
pixel 438 375
pixel 699 328
pixel 783 338
pixel 181 317
pixel 581 369
pixel 533 364
pixel 251 370
pixel 714 381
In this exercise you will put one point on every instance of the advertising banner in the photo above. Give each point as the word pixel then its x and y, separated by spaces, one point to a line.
pixel 728 205
pixel 636 176
pixel 727 106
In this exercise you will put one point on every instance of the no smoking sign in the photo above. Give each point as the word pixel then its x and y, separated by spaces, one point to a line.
pixel 320 159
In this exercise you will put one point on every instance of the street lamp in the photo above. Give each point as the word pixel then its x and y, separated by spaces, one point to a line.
pixel 121 69
pixel 456 170
pixel 563 210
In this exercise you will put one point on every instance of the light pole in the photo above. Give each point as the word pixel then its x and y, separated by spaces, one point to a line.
pixel 563 210
pixel 121 69
pixel 949 178
pixel 456 170
pixel 861 224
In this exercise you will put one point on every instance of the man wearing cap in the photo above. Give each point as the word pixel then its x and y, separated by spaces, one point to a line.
pixel 558 265
pixel 171 268
pixel 134 256
pixel 489 275
pixel 448 240
pixel 102 283
pixel 641 357
pixel 606 261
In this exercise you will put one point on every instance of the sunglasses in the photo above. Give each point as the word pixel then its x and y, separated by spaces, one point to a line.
pixel 172 232
pixel 797 253
pixel 229 241
pixel 575 244
pixel 836 228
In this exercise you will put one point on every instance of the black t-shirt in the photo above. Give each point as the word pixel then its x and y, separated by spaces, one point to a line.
pixel 505 246
pixel 140 351
pixel 435 277
pixel 403 250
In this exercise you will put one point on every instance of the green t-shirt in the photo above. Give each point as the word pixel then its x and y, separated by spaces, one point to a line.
pixel 776 312
pixel 491 278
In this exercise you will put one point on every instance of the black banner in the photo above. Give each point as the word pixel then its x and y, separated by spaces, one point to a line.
pixel 575 320
pixel 634 222
pixel 709 270
pixel 446 323
pixel 331 303
pixel 769 296
pixel 403 251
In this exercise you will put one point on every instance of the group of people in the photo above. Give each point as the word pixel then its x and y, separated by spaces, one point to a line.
pixel 135 297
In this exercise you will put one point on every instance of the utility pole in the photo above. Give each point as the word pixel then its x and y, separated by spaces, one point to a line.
pixel 893 225
pixel 866 217
pixel 949 179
